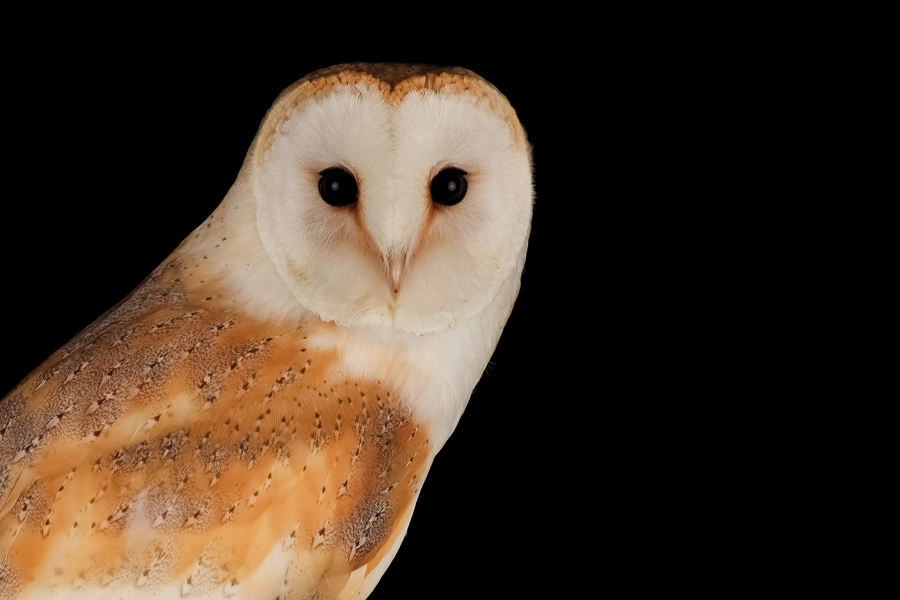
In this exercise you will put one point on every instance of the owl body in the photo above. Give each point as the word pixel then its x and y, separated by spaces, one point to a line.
pixel 256 419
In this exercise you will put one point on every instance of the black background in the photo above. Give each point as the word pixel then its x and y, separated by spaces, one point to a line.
pixel 118 152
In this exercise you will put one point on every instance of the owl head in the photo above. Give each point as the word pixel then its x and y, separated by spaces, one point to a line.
pixel 393 196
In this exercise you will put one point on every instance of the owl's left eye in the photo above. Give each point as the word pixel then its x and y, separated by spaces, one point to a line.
pixel 449 186
pixel 338 187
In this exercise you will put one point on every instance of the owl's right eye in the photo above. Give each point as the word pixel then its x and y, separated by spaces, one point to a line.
pixel 338 187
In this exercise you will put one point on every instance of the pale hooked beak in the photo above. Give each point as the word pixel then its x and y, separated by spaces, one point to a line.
pixel 396 270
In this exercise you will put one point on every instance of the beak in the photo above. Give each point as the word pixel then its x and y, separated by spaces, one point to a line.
pixel 396 270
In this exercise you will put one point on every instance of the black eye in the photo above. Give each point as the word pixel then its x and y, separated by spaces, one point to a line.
pixel 449 186
pixel 338 187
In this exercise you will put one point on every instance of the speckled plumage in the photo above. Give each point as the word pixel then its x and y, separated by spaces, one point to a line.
pixel 176 437
pixel 212 437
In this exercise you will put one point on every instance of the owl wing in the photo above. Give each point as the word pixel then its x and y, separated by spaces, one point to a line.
pixel 176 449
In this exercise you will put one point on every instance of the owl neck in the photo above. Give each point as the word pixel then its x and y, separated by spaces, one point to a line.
pixel 433 373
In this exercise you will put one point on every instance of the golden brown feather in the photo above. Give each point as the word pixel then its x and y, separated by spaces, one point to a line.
pixel 175 440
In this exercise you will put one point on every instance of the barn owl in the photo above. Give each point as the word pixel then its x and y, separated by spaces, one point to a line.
pixel 257 418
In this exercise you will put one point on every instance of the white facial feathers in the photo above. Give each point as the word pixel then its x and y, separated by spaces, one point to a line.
pixel 395 259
